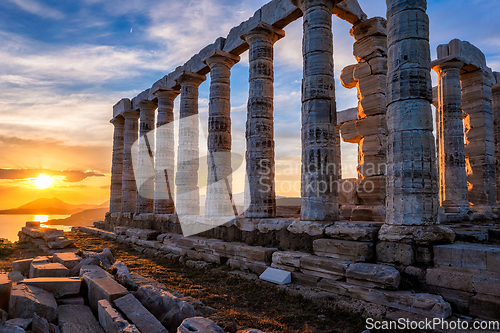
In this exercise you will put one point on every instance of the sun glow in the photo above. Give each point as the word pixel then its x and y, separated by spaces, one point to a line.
pixel 41 218
pixel 43 181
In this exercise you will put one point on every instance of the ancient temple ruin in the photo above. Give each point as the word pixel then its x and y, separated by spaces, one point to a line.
pixel 421 240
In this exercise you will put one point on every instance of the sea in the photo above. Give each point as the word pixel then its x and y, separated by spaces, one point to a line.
pixel 10 225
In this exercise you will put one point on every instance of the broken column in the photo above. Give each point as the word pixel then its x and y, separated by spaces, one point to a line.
pixel 165 154
pixel 496 119
pixel 412 187
pixel 453 192
pixel 129 190
pixel 319 189
pixel 260 121
pixel 145 194
pixel 188 200
pixel 219 180
pixel 115 203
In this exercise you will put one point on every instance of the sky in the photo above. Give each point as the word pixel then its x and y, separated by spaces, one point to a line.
pixel 64 64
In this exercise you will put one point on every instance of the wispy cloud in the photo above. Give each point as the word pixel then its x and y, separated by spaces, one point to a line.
pixel 36 8
pixel 71 176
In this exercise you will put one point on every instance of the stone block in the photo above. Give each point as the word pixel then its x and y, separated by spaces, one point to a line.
pixel 167 308
pixel 362 70
pixel 258 254
pixel 493 260
pixel 22 266
pixel 288 258
pixel 354 231
pixel 51 234
pixel 68 259
pixel 375 26
pixel 15 276
pixel 372 105
pixel 59 287
pixel 485 307
pixel 41 325
pixel 347 77
pixel 347 115
pixel 48 270
pixel 24 323
pixel 350 11
pixel 5 289
pixel 345 250
pixel 373 275
pixel 371 189
pixel 26 300
pixel 324 265
pixel 370 47
pixel 60 243
pixel 112 321
pixel 276 276
pixel 103 288
pixel 372 84
pixel 378 65
pixel 487 283
pixel 144 234
pixel 77 318
pixel 397 253
pixel 451 278
pixel 472 256
pixel 310 228
pixel 123 275
pixel 33 232
pixel 199 324
pixel 347 192
pixel 305 279
pixel 139 315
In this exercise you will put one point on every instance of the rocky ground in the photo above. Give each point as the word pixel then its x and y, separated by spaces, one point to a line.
pixel 238 302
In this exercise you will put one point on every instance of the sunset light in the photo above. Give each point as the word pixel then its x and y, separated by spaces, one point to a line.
pixel 41 218
pixel 43 182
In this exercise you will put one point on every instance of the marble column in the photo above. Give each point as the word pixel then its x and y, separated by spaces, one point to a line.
pixel 260 122
pixel 496 119
pixel 165 154
pixel 412 178
pixel 115 204
pixel 453 191
pixel 188 193
pixel 319 187
pixel 145 194
pixel 129 189
pixel 219 181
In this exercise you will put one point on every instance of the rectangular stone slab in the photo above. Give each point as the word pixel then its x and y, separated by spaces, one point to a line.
pixel 22 266
pixel 112 321
pixel 139 315
pixel 48 270
pixel 104 288
pixel 77 318
pixel 59 287
pixel 26 300
pixel 346 250
pixel 276 276
pixel 69 260
pixel 5 288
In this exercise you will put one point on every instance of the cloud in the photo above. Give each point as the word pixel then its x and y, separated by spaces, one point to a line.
pixel 34 7
pixel 71 176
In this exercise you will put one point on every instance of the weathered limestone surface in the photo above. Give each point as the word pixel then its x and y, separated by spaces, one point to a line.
pixel 319 116
pixel 373 275
pixel 453 191
pixel 261 198
pixel 26 300
pixel 471 256
pixel 115 204
pixel 123 275
pixel 77 318
pixel 67 259
pixel 412 175
pixel 59 287
pixel 219 180
pixel 48 270
pixel 199 324
pixel 5 289
pixel 24 323
pixel 100 286
pixel 139 315
pixel 112 321
pixel 495 89
pixel 129 189
pixel 188 201
pixel 341 249
pixel 361 232
pixel 22 266
pixel 165 152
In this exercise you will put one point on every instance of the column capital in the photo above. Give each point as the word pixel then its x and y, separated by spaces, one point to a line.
pixel 146 104
pixel 187 77
pixel 306 4
pixel 450 63
pixel 131 114
pixel 218 57
pixel 119 120
pixel 265 30
pixel 496 88
pixel 168 93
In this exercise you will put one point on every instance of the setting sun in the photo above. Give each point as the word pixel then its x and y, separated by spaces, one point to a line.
pixel 43 181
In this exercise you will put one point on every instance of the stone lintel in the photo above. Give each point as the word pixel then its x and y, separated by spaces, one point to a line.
pixel 121 106
pixel 264 28
pixel 187 76
pixel 350 11
pixel 220 56
pixel 448 62
pixel 196 64
pixel 472 56
pixel 347 115
pixel 140 97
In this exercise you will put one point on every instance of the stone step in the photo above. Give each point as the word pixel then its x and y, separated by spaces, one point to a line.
pixel 48 270
pixel 373 275
pixel 69 260
pixel 77 318
pixel 342 249
pixel 469 280
pixel 468 255
pixel 139 315
pixel 59 287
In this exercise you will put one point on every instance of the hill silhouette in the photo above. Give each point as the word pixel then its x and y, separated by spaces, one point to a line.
pixel 52 206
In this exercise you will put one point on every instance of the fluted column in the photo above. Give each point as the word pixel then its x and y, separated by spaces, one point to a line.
pixel 145 194
pixel 319 187
pixel 412 179
pixel 115 203
pixel 260 122
pixel 165 154
pixel 496 119
pixel 188 193
pixel 219 181
pixel 453 191
pixel 129 190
